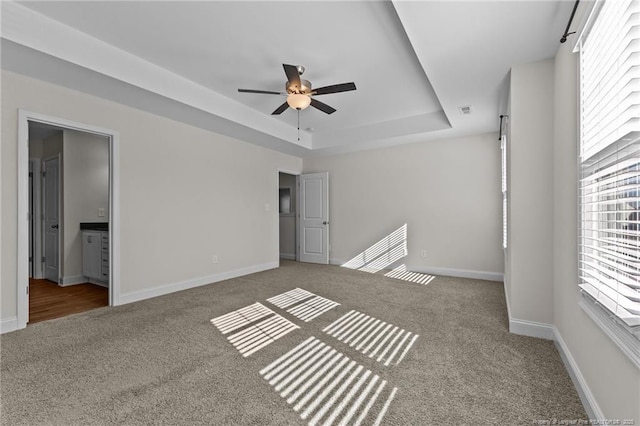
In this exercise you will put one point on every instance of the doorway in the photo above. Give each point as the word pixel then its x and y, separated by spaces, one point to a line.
pixel 74 182
pixel 68 184
pixel 304 217
pixel 287 208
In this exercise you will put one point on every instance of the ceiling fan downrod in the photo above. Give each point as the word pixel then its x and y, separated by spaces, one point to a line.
pixel 298 125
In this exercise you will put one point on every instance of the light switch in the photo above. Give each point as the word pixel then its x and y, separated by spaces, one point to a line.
pixel 267 207
pixel 100 212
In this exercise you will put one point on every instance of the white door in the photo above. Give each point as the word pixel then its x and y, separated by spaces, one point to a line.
pixel 51 186
pixel 31 221
pixel 314 218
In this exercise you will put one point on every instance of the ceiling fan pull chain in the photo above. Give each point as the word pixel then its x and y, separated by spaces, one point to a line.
pixel 298 125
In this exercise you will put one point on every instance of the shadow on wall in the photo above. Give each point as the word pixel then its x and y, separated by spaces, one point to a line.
pixel 386 252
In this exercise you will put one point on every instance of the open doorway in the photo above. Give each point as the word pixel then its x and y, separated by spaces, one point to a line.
pixel 287 208
pixel 69 179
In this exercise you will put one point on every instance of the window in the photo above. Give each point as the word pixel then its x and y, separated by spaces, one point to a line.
pixel 503 149
pixel 609 239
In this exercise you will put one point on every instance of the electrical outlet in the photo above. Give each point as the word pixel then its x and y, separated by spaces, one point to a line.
pixel 267 207
pixel 423 253
pixel 214 258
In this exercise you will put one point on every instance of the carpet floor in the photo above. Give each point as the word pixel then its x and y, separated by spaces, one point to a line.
pixel 348 347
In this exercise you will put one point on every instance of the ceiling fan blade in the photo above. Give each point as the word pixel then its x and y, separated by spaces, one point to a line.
pixel 335 88
pixel 322 106
pixel 293 77
pixel 265 92
pixel 280 109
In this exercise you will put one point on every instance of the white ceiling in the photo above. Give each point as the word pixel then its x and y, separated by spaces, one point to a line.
pixel 414 63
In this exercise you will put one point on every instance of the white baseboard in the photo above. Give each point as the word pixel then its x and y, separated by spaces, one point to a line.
pixel 531 328
pixel 73 280
pixel 446 272
pixel 588 400
pixel 8 324
pixel 460 273
pixel 136 296
pixel 288 256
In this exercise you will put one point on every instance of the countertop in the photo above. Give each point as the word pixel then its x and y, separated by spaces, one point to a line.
pixel 94 226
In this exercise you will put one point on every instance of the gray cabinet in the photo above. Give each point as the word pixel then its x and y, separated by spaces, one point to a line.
pixel 95 255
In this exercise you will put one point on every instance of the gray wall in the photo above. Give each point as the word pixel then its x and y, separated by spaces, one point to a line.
pixel 541 266
pixel 530 188
pixel 447 192
pixel 611 377
pixel 177 207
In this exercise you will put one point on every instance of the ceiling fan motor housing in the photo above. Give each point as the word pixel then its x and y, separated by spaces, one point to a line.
pixel 293 88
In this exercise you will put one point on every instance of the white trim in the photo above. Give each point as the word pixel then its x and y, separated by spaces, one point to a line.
pixel 586 396
pixel 584 25
pixel 22 268
pixel 289 256
pixel 8 325
pixel 461 273
pixel 72 280
pixel 446 272
pixel 139 295
pixel 22 277
pixel 506 298
pixel 531 328
pixel 114 220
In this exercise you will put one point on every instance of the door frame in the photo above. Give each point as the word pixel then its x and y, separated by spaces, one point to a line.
pixel 22 279
pixel 58 156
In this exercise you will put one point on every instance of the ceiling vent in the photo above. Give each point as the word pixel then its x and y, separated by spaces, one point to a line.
pixel 465 110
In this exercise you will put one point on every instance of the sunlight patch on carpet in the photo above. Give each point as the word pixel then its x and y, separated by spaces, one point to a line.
pixel 401 273
pixel 312 308
pixel 370 336
pixel 241 317
pixel 289 298
pixel 258 336
pixel 303 304
pixel 326 387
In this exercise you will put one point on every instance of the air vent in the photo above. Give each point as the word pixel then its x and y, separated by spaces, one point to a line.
pixel 465 110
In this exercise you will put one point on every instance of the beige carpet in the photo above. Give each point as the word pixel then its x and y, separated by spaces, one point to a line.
pixel 162 361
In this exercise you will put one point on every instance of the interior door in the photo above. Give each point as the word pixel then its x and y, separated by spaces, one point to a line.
pixel 314 218
pixel 31 220
pixel 51 184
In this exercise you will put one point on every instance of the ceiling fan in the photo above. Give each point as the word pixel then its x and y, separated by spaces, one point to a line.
pixel 299 92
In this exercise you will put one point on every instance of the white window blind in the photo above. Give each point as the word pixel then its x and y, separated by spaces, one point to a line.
pixel 609 256
pixel 503 148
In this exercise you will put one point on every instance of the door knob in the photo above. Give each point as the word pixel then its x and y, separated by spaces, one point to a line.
pixel 325 223
pixel 54 226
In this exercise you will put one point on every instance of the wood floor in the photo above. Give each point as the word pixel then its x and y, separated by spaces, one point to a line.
pixel 47 300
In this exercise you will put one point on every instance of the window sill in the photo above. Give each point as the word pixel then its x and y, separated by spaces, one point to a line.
pixel 625 337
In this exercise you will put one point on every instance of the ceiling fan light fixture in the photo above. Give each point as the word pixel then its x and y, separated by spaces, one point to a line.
pixel 298 101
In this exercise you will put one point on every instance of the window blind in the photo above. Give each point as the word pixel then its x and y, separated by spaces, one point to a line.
pixel 609 249
pixel 503 148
